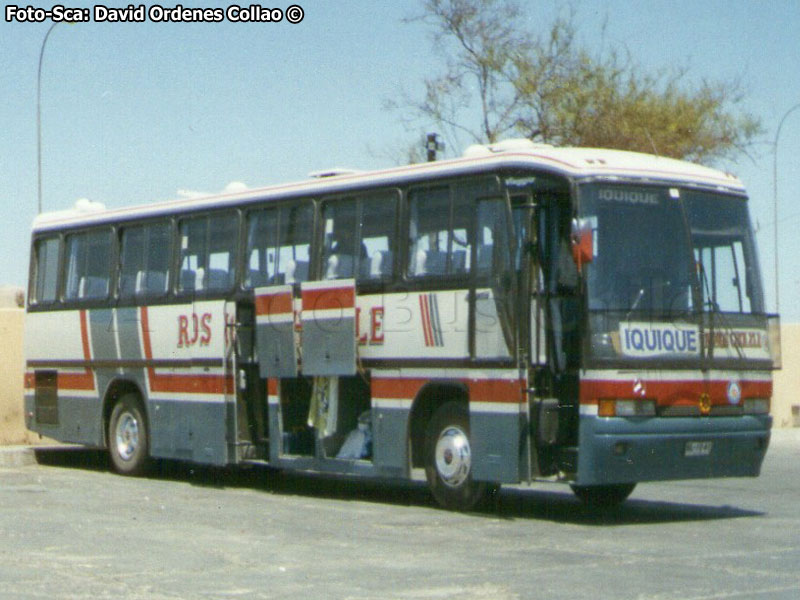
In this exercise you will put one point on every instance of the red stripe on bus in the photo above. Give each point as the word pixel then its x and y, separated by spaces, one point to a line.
pixel 274 304
pixel 191 384
pixel 87 353
pixel 329 298
pixel 181 384
pixel 148 353
pixel 426 320
pixel 496 390
pixel 671 392
pixel 749 389
pixel 75 381
pixel 507 391
pixel 78 381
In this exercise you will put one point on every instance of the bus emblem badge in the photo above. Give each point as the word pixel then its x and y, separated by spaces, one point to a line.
pixel 734 392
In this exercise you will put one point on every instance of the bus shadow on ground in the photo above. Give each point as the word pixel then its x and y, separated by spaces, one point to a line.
pixel 563 507
pixel 511 503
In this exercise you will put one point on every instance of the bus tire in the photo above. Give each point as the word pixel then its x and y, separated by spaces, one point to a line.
pixel 128 436
pixel 603 496
pixel 448 459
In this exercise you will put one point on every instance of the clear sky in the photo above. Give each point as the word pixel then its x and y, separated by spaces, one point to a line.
pixel 138 112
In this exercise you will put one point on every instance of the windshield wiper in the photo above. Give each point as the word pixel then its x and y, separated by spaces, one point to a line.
pixel 635 304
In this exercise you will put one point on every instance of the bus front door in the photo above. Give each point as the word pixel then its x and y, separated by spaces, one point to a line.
pixel 546 321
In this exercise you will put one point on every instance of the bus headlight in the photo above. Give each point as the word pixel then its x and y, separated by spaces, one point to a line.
pixel 618 407
pixel 755 406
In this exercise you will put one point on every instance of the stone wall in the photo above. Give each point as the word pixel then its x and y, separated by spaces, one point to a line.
pixel 12 421
pixel 786 393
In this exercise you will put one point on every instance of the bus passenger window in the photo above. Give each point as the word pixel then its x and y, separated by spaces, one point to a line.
pixel 294 241
pixel 278 240
pixel 342 251
pixel 359 236
pixel 377 236
pixel 208 253
pixel 144 261
pixel 439 239
pixel 461 250
pixel 131 260
pixel 193 257
pixel 222 252
pixel 46 276
pixel 158 257
pixel 494 250
pixel 88 265
pixel 262 240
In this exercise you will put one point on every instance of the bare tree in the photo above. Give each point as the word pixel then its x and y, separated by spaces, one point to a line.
pixel 500 79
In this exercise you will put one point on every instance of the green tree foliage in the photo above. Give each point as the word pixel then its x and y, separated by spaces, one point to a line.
pixel 500 79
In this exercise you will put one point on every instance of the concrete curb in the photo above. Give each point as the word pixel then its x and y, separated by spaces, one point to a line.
pixel 17 456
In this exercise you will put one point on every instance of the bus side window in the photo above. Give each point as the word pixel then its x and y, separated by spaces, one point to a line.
pixel 88 265
pixel 262 240
pixel 359 237
pixel 222 237
pixel 208 253
pixel 193 234
pixel 278 240
pixel 342 251
pixel 158 256
pixel 47 252
pixel 377 226
pixel 493 245
pixel 294 241
pixel 144 261
pixel 131 260
pixel 439 238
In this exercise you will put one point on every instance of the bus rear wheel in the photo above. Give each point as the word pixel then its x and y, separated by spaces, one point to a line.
pixel 603 496
pixel 448 459
pixel 128 436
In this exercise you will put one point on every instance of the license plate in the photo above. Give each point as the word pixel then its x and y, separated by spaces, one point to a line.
pixel 698 448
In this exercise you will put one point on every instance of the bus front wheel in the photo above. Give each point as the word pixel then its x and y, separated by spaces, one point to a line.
pixel 127 436
pixel 448 459
pixel 603 496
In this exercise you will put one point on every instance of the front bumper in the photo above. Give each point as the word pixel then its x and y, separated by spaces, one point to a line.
pixel 623 450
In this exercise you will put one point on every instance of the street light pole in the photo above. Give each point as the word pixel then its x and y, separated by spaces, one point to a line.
pixel 775 199
pixel 39 118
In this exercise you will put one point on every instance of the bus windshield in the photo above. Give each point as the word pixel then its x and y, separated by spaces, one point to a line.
pixel 673 273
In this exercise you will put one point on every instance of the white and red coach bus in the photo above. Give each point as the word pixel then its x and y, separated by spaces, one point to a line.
pixel 524 312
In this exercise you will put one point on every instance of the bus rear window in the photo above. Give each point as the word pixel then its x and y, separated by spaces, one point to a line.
pixel 47 253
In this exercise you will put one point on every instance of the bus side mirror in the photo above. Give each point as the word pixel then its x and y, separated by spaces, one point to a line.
pixel 582 240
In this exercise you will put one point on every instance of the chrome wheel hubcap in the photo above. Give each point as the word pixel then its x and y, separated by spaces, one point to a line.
pixel 453 456
pixel 127 436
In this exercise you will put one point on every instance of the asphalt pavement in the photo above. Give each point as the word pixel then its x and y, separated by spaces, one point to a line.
pixel 70 528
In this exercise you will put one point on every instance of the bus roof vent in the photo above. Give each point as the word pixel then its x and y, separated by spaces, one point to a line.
pixel 84 205
pixel 335 172
pixel 511 145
